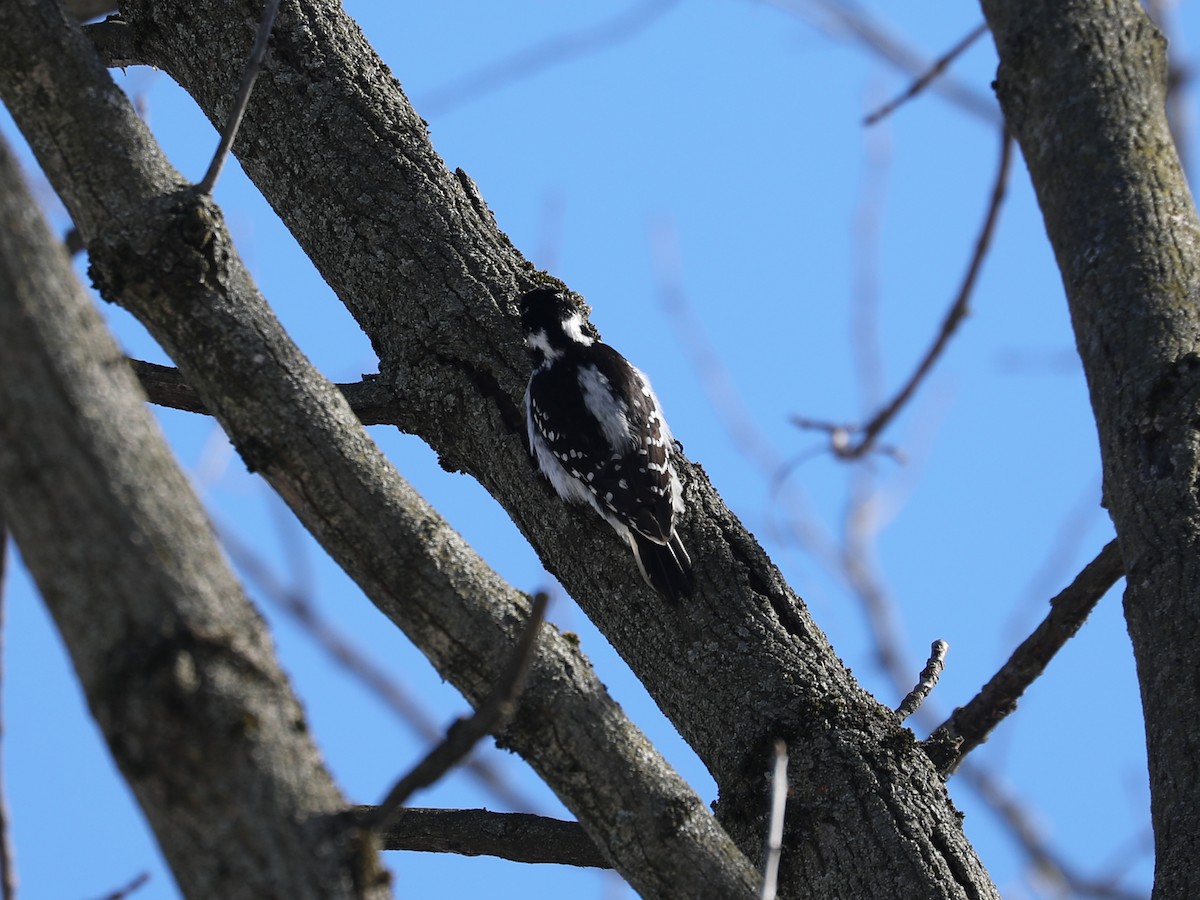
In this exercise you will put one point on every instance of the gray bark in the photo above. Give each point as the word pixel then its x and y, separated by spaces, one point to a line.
pixel 413 252
pixel 165 254
pixel 1083 87
pixel 177 667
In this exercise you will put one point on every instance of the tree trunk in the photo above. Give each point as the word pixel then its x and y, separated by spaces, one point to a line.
pixel 1083 88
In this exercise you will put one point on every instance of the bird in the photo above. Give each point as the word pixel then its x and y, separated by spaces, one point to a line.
pixel 598 435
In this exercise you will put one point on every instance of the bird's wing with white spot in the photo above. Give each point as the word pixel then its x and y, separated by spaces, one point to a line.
pixel 643 473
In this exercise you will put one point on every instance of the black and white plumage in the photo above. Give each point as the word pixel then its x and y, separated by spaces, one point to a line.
pixel 597 433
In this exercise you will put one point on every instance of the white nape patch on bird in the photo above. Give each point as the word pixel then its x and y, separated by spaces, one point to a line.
pixel 573 329
pixel 609 411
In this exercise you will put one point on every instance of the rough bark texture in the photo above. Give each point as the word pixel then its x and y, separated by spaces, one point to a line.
pixel 165 254
pixel 413 252
pixel 177 667
pixel 1083 86
pixel 477 832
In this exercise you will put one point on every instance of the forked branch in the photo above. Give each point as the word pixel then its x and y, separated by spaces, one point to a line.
pixel 848 441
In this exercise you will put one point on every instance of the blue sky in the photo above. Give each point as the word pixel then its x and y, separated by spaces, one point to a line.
pixel 706 182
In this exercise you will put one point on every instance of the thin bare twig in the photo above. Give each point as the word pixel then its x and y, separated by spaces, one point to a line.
pixel 858 568
pixel 519 837
pixel 779 792
pixel 866 343
pixel 971 724
pixel 927 681
pixel 350 657
pixel 543 55
pixel 8 871
pixel 843 19
pixel 927 78
pixel 867 434
pixel 121 893
pixel 491 714
pixel 860 525
pixel 257 54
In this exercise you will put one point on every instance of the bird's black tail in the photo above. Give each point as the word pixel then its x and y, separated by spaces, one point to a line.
pixel 666 567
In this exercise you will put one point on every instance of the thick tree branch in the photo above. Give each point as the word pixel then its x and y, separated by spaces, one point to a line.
pixel 1083 87
pixel 163 252
pixel 174 661
pixel 414 253
pixel 480 832
pixel 373 402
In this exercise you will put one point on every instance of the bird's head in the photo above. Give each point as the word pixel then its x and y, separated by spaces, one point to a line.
pixel 552 323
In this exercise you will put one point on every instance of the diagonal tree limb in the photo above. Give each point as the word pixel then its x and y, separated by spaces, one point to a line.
pixel 415 255
pixel 229 130
pixel 163 252
pixel 373 402
pixel 172 657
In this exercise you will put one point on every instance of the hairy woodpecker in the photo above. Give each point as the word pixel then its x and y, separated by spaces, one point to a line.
pixel 598 434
